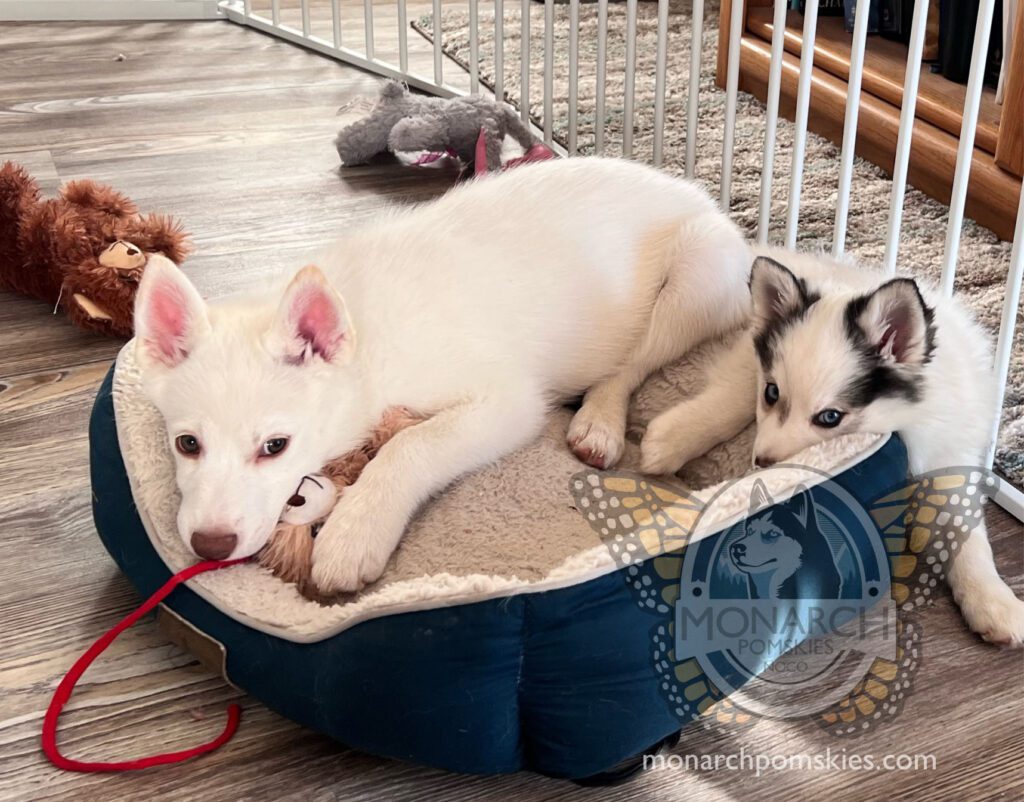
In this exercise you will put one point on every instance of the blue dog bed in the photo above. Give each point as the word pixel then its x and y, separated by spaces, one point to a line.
pixel 552 675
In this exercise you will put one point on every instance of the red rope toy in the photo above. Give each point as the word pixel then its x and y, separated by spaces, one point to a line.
pixel 67 686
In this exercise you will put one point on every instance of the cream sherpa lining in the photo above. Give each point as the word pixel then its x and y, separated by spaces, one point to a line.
pixel 507 529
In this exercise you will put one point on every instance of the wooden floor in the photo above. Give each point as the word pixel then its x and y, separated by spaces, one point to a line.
pixel 232 131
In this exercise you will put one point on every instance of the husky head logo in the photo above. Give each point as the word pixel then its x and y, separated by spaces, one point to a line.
pixel 782 552
pixel 833 363
pixel 240 387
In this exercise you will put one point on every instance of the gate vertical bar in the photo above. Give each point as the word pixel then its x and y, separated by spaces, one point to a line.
pixel 524 63
pixel 306 26
pixel 336 21
pixel 965 152
pixel 436 31
pixel 602 68
pixel 499 49
pixel 803 104
pixel 368 23
pixel 630 81
pixel 275 12
pixel 860 36
pixel 474 46
pixel 772 121
pixel 693 90
pixel 574 77
pixel 906 135
pixel 1007 326
pixel 661 65
pixel 549 68
pixel 403 39
pixel 732 84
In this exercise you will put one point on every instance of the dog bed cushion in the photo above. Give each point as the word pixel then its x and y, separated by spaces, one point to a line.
pixel 502 635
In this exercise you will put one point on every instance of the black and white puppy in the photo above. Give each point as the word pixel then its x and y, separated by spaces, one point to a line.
pixel 836 348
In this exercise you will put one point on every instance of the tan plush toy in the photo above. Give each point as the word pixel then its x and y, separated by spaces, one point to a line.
pixel 289 553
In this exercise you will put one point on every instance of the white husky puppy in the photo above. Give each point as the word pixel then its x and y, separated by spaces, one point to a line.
pixel 837 349
pixel 481 310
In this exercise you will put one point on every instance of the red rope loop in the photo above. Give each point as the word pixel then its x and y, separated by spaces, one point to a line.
pixel 67 686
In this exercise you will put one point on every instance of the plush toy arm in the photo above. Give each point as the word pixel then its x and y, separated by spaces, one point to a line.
pixel 493 141
pixel 51 236
pixel 516 128
pixel 423 132
pixel 18 191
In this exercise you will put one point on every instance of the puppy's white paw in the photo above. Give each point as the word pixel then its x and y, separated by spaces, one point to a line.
pixel 997 615
pixel 345 561
pixel 662 451
pixel 353 547
pixel 597 437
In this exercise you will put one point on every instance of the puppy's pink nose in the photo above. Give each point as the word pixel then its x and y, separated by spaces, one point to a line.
pixel 214 545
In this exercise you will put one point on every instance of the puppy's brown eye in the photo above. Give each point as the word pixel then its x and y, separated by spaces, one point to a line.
pixel 273 446
pixel 187 445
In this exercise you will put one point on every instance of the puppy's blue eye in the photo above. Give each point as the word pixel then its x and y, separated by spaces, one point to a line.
pixel 829 418
pixel 273 446
pixel 771 394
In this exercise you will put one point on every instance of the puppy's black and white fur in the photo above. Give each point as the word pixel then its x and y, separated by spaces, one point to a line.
pixel 836 348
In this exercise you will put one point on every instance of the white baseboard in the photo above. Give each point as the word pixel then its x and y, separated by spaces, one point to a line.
pixel 57 10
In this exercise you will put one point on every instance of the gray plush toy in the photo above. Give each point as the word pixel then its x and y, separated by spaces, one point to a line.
pixel 403 122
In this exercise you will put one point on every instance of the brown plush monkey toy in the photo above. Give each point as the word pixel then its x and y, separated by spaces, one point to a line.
pixel 289 554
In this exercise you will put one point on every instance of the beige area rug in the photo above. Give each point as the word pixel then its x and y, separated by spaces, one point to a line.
pixel 983 259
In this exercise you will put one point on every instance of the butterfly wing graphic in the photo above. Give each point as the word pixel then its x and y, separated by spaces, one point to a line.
pixel 924 524
pixel 646 525
pixel 636 517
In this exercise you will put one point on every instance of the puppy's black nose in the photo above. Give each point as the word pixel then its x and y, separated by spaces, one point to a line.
pixel 214 545
pixel 764 462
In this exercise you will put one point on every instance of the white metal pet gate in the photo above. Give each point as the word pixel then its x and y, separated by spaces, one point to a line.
pixel 362 54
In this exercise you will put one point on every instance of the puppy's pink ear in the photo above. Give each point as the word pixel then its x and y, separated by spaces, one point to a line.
pixel 170 316
pixel 895 321
pixel 312 321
